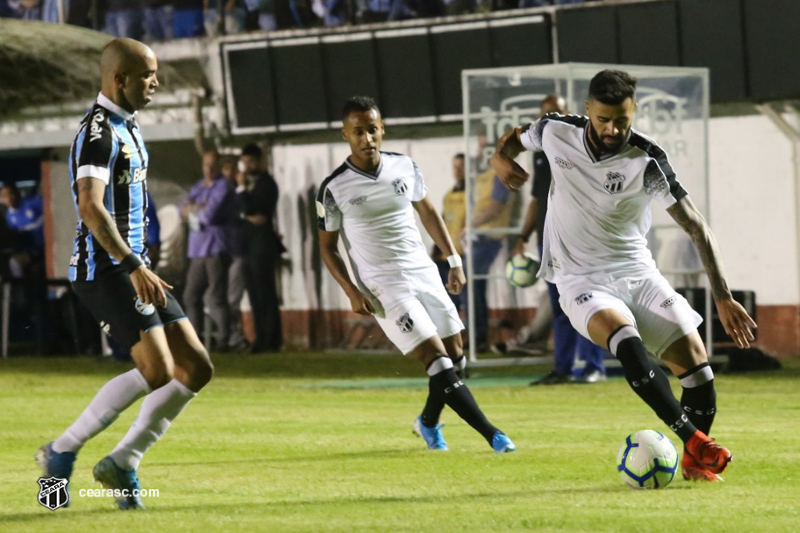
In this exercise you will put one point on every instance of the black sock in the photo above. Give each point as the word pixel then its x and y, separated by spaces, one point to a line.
pixel 649 381
pixel 447 387
pixel 435 403
pixel 433 408
pixel 699 399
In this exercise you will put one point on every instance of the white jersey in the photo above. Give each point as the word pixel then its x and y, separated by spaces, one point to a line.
pixel 374 215
pixel 598 210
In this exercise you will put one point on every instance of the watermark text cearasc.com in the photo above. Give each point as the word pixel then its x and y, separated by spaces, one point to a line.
pixel 117 493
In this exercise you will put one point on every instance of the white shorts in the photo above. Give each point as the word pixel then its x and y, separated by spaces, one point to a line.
pixel 661 315
pixel 413 306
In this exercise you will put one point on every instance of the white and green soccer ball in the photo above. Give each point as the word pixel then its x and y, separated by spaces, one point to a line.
pixel 521 270
pixel 647 460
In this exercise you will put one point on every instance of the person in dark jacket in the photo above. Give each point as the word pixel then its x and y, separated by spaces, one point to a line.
pixel 257 196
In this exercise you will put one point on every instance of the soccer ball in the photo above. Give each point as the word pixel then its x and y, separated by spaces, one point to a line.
pixel 521 270
pixel 647 460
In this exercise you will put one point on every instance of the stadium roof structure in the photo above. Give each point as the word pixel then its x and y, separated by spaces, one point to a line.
pixel 49 76
pixel 50 64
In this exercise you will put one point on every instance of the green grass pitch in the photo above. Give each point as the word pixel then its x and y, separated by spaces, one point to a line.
pixel 318 442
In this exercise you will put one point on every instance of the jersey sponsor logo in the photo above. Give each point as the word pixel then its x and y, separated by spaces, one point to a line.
pixel 565 164
pixel 668 302
pixel 73 260
pixel 95 131
pixel 139 175
pixel 583 298
pixel 360 200
pixel 143 308
pixel 400 186
pixel 613 182
pixel 127 151
pixel 405 323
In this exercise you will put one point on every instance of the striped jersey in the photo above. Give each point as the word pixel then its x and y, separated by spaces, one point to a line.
pixel 375 216
pixel 109 147
pixel 599 209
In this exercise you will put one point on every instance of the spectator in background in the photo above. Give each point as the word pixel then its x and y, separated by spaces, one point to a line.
pixel 124 18
pixel 22 9
pixel 454 214
pixel 187 19
pixel 235 14
pixel 157 19
pixel 25 223
pixel 264 12
pixel 495 207
pixel 332 12
pixel 236 276
pixel 209 210
pixel 257 197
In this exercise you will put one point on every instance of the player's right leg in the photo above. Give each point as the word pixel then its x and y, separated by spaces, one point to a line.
pixel 610 328
pixel 445 386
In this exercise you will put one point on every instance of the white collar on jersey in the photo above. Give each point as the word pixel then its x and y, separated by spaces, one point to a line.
pixel 364 173
pixel 106 102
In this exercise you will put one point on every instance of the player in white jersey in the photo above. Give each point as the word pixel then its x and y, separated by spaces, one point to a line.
pixel 370 200
pixel 605 175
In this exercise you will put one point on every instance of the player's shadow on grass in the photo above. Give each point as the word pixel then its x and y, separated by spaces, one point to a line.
pixel 374 454
pixel 42 514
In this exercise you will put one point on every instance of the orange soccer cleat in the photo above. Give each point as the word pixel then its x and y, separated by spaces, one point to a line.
pixel 703 453
pixel 693 471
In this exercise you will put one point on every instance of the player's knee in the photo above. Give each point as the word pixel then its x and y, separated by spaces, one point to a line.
pixel 157 373
pixel 202 370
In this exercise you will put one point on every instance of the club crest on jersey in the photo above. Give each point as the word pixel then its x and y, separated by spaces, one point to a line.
pixel 400 186
pixel 405 323
pixel 613 182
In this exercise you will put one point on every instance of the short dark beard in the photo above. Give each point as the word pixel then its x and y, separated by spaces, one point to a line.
pixel 597 143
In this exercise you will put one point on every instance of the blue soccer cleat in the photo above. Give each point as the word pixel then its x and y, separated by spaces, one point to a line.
pixel 432 436
pixel 55 464
pixel 113 477
pixel 502 444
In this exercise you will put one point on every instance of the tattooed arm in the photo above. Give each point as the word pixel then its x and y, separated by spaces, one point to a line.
pixel 98 219
pixel 734 318
pixel 149 287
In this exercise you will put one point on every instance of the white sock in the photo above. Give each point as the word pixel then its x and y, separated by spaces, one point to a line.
pixel 115 396
pixel 159 409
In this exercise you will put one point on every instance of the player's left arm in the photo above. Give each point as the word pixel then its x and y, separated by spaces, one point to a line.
pixel 734 318
pixel 434 225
